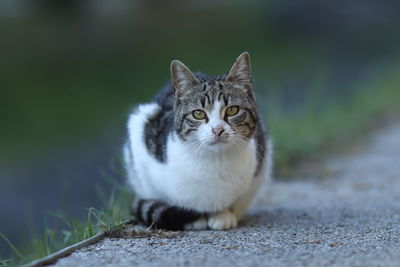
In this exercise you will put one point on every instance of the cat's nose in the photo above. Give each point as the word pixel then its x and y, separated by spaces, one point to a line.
pixel 217 131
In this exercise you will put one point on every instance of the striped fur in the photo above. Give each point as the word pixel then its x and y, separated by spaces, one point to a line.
pixel 184 175
pixel 159 215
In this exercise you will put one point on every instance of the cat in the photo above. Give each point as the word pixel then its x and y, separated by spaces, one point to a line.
pixel 196 155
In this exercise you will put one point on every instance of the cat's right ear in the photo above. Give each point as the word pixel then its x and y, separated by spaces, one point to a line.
pixel 182 77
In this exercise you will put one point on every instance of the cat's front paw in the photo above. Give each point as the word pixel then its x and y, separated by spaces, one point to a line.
pixel 222 220
pixel 200 224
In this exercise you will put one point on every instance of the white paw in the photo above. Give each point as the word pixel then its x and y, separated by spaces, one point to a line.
pixel 222 220
pixel 200 224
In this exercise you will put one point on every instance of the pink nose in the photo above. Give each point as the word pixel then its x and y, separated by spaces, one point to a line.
pixel 217 131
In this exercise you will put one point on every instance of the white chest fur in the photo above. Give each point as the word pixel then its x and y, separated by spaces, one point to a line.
pixel 206 182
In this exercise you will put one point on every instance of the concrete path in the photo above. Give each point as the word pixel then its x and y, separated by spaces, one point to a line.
pixel 349 216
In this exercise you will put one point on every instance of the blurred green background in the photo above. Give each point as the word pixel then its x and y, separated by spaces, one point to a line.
pixel 70 71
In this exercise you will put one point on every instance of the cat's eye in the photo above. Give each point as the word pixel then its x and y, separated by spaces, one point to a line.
pixel 199 114
pixel 232 110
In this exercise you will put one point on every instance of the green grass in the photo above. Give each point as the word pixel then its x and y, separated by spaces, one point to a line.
pixel 114 214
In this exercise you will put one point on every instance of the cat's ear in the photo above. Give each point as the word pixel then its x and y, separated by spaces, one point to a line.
pixel 182 77
pixel 241 70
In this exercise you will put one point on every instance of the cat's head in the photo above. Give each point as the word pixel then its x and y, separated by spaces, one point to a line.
pixel 215 112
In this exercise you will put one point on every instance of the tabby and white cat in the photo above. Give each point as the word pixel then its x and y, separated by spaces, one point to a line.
pixel 196 155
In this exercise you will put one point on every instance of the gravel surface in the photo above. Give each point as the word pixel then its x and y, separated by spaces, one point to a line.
pixel 347 215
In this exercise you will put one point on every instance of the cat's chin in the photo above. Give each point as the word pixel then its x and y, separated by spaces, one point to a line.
pixel 219 145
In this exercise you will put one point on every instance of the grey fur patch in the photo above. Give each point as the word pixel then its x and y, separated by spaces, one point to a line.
pixel 260 137
pixel 156 132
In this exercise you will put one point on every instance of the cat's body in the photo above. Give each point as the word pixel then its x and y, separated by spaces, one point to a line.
pixel 185 159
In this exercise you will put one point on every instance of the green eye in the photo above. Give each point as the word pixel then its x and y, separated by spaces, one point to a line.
pixel 199 114
pixel 232 110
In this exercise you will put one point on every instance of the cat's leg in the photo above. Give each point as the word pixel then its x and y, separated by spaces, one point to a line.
pixel 200 224
pixel 229 218
pixel 222 220
pixel 264 176
pixel 240 205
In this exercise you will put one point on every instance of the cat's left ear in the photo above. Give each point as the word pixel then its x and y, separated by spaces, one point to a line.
pixel 241 70
pixel 182 78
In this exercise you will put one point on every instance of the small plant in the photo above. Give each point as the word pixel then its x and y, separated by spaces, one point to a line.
pixel 115 213
pixel 14 250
